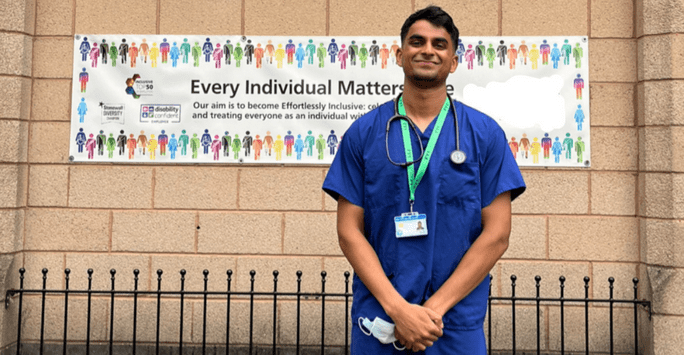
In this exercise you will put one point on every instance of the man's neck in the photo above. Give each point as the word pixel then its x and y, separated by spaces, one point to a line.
pixel 423 105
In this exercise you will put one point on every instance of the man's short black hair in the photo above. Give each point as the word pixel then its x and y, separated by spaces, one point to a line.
pixel 437 17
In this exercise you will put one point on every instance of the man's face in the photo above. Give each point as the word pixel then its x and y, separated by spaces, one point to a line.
pixel 427 53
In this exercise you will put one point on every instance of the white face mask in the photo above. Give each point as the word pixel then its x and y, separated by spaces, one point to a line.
pixel 380 329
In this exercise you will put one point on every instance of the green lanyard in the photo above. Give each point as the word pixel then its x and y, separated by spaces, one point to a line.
pixel 414 179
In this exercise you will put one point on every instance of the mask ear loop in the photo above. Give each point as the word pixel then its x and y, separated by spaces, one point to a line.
pixel 370 331
pixel 394 343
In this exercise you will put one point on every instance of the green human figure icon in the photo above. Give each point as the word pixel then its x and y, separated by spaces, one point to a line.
pixel 111 145
pixel 320 146
pixel 237 144
pixel 194 145
pixel 363 55
pixel 310 51
pixel 185 50
pixel 567 146
pixel 577 53
pixel 491 55
pixel 183 141
pixel 309 143
pixel 237 54
pixel 566 51
pixel 579 149
pixel 113 53
pixel 196 54
pixel 321 53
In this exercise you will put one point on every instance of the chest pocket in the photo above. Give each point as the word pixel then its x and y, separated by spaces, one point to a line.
pixel 460 185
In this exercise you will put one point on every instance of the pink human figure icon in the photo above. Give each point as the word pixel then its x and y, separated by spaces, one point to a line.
pixel 257 145
pixel 94 54
pixel 579 85
pixel 258 54
pixel 83 79
pixel 342 57
pixel 133 54
pixel 384 55
pixel 131 145
pixel 90 146
pixel 470 56
pixel 216 143
pixel 218 55
pixel 512 56
pixel 514 147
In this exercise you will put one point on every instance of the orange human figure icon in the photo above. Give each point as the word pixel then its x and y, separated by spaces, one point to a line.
pixel 393 51
pixel 144 49
pixel 514 147
pixel 142 142
pixel 131 144
pixel 525 145
pixel 268 142
pixel 133 54
pixel 523 51
pixel 535 150
pixel 270 52
pixel 384 55
pixel 258 54
pixel 512 56
pixel 257 144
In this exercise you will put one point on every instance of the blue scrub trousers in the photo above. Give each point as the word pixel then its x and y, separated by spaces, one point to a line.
pixel 453 342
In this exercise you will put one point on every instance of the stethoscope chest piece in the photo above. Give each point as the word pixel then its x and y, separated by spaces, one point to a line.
pixel 458 157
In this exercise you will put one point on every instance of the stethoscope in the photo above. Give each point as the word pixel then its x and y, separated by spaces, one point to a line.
pixel 457 156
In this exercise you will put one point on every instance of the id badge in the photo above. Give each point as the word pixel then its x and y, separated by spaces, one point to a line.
pixel 410 224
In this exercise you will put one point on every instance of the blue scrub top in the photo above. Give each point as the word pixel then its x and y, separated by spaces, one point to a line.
pixel 452 196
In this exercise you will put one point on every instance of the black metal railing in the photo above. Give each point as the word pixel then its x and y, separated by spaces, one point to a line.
pixel 296 297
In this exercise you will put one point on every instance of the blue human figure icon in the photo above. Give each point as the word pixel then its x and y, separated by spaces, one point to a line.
pixel 174 54
pixel 333 50
pixel 567 146
pixel 207 50
pixel 299 146
pixel 460 50
pixel 80 140
pixel 555 55
pixel 566 51
pixel 84 49
pixel 579 117
pixel 82 109
pixel 173 145
pixel 185 49
pixel 556 150
pixel 332 142
pixel 206 141
pixel 299 56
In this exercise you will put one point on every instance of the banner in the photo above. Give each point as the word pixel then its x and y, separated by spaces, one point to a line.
pixel 289 100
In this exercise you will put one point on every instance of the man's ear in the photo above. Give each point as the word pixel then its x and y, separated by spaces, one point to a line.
pixel 454 63
pixel 399 57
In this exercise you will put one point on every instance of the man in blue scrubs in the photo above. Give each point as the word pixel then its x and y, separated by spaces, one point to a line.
pixel 431 285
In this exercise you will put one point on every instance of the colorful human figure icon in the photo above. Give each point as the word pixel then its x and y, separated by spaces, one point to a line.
pixel 268 141
pixel 133 55
pixel 470 57
pixel 514 147
pixel 535 149
pixel 216 143
pixel 289 142
pixel 217 55
pixel 207 49
pixel 164 48
pixel 342 56
pixel 144 50
pixel 578 53
pixel 300 55
pixel 309 142
pixel 175 54
pixel 82 110
pixel 278 146
pixel 545 50
pixel 196 54
pixel 101 141
pixel 566 51
pixel 111 145
pixel 80 140
pixel 460 51
pixel 534 56
pixel 113 53
pixel 247 143
pixel 257 145
pixel 555 55
pixel 290 50
pixel 154 55
pixel 579 117
pixel 491 55
pixel 310 51
pixel 512 56
pixel 163 141
pixel 384 56
pixel 546 144
pixel 523 52
pixel 90 146
pixel 131 145
pixel 142 142
pixel 123 50
pixel 567 146
pixel 373 52
pixel 226 140
pixel 83 78
pixel 228 51
pixel 121 141
pixel 173 146
pixel 280 56
pixel 320 146
pixel 237 55
pixel 237 144
pixel 557 149
pixel 321 53
pixel 185 49
pixel 501 52
pixel 299 146
pixel 194 145
pixel 84 49
pixel 206 141
pixel 524 145
pixel 258 55
pixel 249 52
pixel 332 50
pixel 578 84
pixel 579 149
pixel 94 55
pixel 104 51
pixel 363 55
pixel 183 141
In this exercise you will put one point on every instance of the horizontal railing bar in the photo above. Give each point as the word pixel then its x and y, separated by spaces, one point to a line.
pixel 198 293
pixel 575 300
